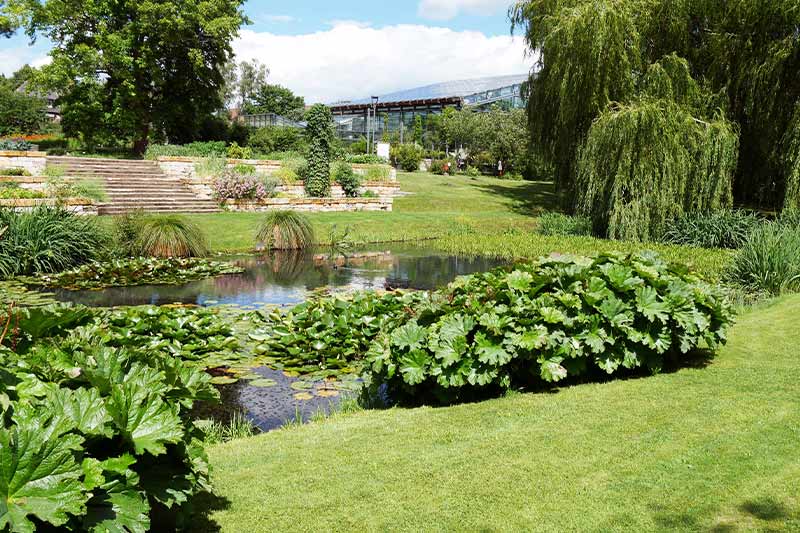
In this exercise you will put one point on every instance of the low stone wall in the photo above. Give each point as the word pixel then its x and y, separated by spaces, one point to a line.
pixel 312 204
pixel 33 162
pixel 80 206
pixel 380 188
pixel 26 182
pixel 183 168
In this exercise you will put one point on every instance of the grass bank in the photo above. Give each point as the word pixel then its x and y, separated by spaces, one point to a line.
pixel 701 449
pixel 437 206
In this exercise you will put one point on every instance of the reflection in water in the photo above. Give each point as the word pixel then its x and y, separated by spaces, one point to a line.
pixel 287 278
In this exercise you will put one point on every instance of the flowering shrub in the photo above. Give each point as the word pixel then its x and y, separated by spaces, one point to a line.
pixel 232 185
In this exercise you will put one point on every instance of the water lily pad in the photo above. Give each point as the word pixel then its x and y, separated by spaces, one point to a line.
pixel 303 396
pixel 250 377
pixel 290 374
pixel 223 380
pixel 352 386
pixel 302 385
pixel 327 393
pixel 263 383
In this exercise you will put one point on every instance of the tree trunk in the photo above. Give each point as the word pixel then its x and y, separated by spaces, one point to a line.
pixel 140 144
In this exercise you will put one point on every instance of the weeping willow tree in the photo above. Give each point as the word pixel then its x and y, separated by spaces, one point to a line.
pixel 593 58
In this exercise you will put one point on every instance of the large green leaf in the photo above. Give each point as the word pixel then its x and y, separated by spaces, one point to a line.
pixel 142 418
pixel 410 336
pixel 39 475
pixel 649 304
pixel 413 367
pixel 490 351
pixel 83 408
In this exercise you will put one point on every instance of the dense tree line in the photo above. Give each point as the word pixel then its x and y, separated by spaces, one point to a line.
pixel 645 103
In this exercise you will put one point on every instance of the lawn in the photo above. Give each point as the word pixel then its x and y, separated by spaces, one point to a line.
pixel 436 206
pixel 709 448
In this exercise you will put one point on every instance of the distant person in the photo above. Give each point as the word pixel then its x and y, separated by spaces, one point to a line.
pixel 500 168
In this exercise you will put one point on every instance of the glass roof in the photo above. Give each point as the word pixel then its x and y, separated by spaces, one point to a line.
pixel 459 89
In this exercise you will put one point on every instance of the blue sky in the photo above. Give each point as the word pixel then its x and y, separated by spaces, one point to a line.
pixel 333 50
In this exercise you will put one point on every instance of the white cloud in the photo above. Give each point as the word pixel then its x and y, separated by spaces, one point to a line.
pixel 352 61
pixel 12 59
pixel 448 9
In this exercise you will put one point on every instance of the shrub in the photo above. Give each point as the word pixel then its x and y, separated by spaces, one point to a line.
pixel 15 145
pixel 244 170
pixel 344 175
pixel 16 171
pixel 46 240
pixel 232 185
pixel 560 224
pixel 718 229
pixel 358 147
pixel 472 172
pixel 285 230
pixel 88 188
pixel 277 139
pixel 443 167
pixel 57 151
pixel 558 318
pixel 320 136
pixel 14 192
pixel 239 152
pixel 108 448
pixel 769 261
pixel 286 175
pixel 195 149
pixel 364 159
pixel 210 167
pixel 164 236
pixel 377 173
pixel 407 157
pixel 369 194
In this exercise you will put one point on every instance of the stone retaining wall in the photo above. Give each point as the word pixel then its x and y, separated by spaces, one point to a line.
pixel 80 206
pixel 183 168
pixel 33 162
pixel 26 182
pixel 312 204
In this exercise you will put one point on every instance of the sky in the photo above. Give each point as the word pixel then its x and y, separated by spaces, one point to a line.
pixel 334 50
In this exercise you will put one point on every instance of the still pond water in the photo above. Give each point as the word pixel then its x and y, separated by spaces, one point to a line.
pixel 285 279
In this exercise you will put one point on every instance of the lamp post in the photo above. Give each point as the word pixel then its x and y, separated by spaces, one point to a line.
pixel 375 120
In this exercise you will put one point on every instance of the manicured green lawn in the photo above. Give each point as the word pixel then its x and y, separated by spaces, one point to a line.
pixel 700 449
pixel 438 206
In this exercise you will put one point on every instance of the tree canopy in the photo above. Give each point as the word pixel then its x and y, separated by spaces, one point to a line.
pixel 707 71
pixel 276 99
pixel 148 64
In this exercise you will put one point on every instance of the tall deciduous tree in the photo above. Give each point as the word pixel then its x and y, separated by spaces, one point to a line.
pixel 157 63
pixel 276 99
pixel 594 58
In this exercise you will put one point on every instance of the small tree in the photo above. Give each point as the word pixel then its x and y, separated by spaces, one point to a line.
pixel 320 140
pixel 20 113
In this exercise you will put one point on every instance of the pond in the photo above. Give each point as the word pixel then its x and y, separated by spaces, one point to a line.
pixel 288 278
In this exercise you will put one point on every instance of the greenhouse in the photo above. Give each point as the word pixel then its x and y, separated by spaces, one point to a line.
pixel 397 112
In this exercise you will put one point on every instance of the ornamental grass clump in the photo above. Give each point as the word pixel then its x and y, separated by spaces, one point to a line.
pixel 167 236
pixel 769 262
pixel 718 229
pixel 47 240
pixel 285 230
pixel 564 225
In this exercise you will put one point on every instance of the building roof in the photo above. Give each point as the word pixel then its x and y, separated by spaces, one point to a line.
pixel 446 90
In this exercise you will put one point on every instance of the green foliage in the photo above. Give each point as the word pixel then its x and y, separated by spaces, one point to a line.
pixel 239 152
pixel 278 100
pixel 344 175
pixel 127 75
pixel 213 149
pixel 160 236
pixel 244 170
pixel 97 437
pixel 689 167
pixel 378 173
pixel 320 137
pixel 15 145
pixel 20 113
pixel 742 55
pixel 769 261
pixel 285 230
pixel 239 427
pixel 556 319
pixel 14 192
pixel 277 139
pixel 407 156
pixel 211 167
pixel 17 171
pixel 135 271
pixel 718 229
pixel 47 239
pixel 88 188
pixel 560 224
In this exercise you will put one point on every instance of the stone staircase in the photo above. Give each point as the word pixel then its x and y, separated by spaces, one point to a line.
pixel 133 185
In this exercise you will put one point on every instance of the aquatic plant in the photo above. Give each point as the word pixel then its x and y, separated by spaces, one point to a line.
pixel 285 230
